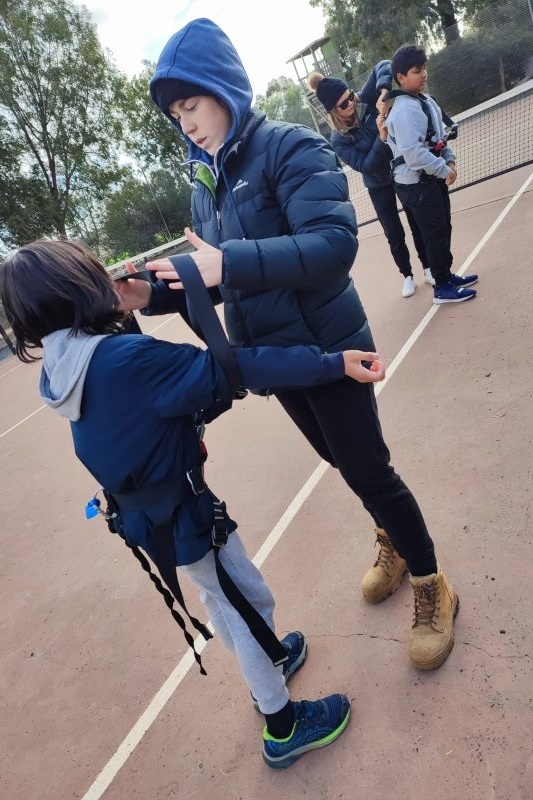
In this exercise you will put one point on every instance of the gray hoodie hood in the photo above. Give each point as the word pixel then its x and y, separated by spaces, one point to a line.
pixel 66 360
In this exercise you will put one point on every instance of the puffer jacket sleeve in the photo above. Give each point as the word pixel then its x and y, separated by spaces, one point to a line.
pixel 379 78
pixel 354 151
pixel 312 191
pixel 184 379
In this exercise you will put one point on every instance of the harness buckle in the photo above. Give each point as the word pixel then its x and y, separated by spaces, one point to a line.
pixel 195 476
pixel 219 531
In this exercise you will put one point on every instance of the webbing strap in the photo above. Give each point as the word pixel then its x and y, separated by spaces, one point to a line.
pixel 259 629
pixel 201 310
pixel 170 578
pixel 394 93
pixel 158 503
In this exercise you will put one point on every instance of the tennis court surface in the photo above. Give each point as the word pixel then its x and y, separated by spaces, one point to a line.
pixel 99 695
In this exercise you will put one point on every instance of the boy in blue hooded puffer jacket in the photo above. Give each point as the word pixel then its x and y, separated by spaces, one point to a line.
pixel 275 234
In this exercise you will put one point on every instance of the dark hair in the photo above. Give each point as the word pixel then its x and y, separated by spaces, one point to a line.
pixel 405 58
pixel 49 285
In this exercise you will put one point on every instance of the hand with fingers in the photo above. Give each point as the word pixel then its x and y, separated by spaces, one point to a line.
pixel 453 176
pixel 381 105
pixel 207 258
pixel 381 122
pixel 133 294
pixel 354 367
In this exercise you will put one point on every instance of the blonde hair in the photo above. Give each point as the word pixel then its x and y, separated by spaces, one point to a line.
pixel 336 122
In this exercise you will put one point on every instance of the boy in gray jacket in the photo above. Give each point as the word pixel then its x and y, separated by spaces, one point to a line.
pixel 424 168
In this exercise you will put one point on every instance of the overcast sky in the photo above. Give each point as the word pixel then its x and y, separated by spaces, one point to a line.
pixel 265 33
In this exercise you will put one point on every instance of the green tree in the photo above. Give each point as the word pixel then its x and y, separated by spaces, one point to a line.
pixel 285 100
pixel 365 31
pixel 158 182
pixel 151 137
pixel 491 57
pixel 25 211
pixel 145 212
pixel 57 101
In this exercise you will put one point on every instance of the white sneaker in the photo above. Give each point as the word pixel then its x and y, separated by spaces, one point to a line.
pixel 409 286
pixel 428 277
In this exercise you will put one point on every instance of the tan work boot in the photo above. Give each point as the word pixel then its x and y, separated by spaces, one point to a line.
pixel 385 576
pixel 436 604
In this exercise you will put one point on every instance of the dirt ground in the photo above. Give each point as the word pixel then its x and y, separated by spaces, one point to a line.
pixel 96 700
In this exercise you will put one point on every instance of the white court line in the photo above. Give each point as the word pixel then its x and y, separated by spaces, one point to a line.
pixel 3 374
pixel 163 323
pixel 41 407
pixel 33 413
pixel 108 773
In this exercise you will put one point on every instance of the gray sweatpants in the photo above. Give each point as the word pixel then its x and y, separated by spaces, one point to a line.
pixel 266 682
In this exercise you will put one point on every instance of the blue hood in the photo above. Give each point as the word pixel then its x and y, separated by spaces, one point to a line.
pixel 202 54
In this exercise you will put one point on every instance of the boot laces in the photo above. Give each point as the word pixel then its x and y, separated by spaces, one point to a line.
pixel 427 601
pixel 386 553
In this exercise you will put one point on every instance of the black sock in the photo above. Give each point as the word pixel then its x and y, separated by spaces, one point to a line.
pixel 281 723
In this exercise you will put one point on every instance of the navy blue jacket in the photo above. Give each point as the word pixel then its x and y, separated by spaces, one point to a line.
pixel 275 201
pixel 138 415
pixel 361 148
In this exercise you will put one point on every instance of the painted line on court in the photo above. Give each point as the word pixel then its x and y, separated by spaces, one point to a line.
pixel 7 372
pixel 170 319
pixel 41 407
pixel 166 691
pixel 33 413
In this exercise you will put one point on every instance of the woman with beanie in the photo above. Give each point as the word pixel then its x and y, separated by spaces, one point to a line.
pixel 355 138
pixel 275 235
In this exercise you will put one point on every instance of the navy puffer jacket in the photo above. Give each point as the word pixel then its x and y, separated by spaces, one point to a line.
pixel 361 148
pixel 275 201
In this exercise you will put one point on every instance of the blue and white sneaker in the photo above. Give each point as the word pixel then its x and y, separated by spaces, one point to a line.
pixel 295 644
pixel 316 724
pixel 452 294
pixel 464 280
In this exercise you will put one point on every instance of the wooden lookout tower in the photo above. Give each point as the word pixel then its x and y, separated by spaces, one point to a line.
pixel 319 56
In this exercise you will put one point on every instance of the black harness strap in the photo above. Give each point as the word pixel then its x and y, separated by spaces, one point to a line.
pixel 259 629
pixel 430 132
pixel 169 600
pixel 154 501
pixel 201 307
pixel 158 503
pixel 202 311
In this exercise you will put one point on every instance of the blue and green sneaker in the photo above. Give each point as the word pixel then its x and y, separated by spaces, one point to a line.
pixel 295 644
pixel 316 724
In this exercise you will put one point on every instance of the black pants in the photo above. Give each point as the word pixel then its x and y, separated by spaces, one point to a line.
pixel 386 207
pixel 340 421
pixel 429 203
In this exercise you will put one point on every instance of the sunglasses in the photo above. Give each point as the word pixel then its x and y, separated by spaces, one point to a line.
pixel 345 103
